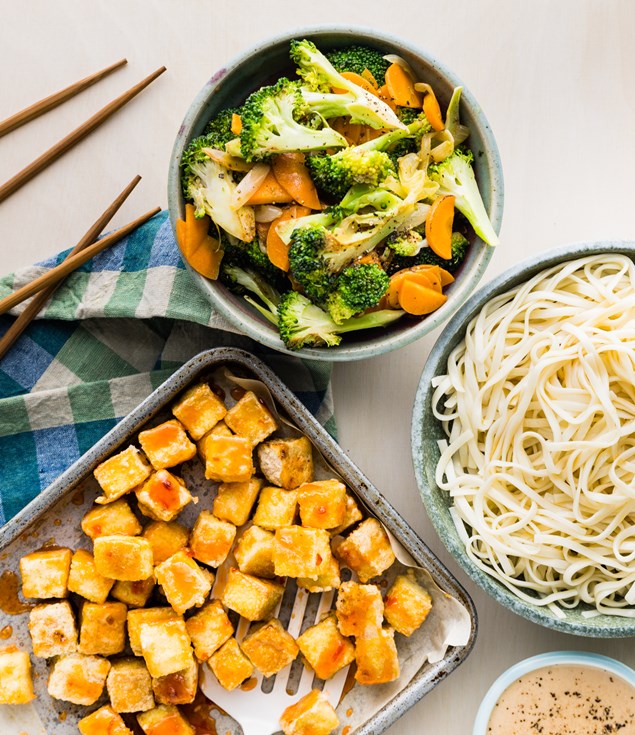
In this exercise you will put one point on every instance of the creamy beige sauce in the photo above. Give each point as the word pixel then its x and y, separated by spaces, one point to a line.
pixel 565 700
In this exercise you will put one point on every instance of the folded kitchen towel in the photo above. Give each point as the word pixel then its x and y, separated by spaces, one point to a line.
pixel 113 332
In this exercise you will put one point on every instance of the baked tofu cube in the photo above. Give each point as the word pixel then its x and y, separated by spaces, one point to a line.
pixel 53 629
pixel 163 496
pixel 228 458
pixel 407 604
pixel 165 646
pixel 103 628
pixel 114 519
pixel 85 580
pixel 251 418
pixel 367 550
pixel 78 679
pixel 121 473
pixel 251 597
pixel 16 684
pixel 134 594
pixel 199 409
pixel 45 573
pixel 221 429
pixel 148 615
pixel 164 719
pixel 322 503
pixel 276 508
pixel 128 558
pixel 287 463
pixel 211 539
pixel 254 552
pixel 328 578
pixel 311 715
pixel 184 582
pixel 177 688
pixel 166 539
pixel 300 552
pixel 377 661
pixel 359 607
pixel 235 500
pixel 209 629
pixel 167 445
pixel 129 686
pixel 325 649
pixel 270 648
pixel 230 665
pixel 352 516
pixel 103 721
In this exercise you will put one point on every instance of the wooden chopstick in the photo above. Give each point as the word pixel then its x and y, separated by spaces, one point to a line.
pixel 53 153
pixel 71 263
pixel 53 100
pixel 33 309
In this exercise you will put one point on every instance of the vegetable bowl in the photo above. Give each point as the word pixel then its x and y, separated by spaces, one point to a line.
pixel 336 192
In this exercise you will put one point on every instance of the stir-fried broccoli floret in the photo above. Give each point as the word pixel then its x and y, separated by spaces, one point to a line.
pixel 218 129
pixel 335 174
pixel 426 256
pixel 306 261
pixel 253 256
pixel 358 288
pixel 359 58
pixel 407 243
pixel 244 281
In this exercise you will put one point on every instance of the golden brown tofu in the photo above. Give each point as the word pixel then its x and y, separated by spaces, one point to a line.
pixel 184 582
pixel 270 647
pixel 209 629
pixel 301 552
pixel 177 688
pixel 254 552
pixel 358 608
pixel 221 429
pixel 407 604
pixel 322 503
pixel 287 463
pixel 325 649
pixel 53 629
pixel 16 683
pixel 163 496
pixel 85 580
pixel 166 539
pixel 211 539
pixel 45 573
pixel 228 458
pixel 103 628
pixel 367 550
pixel 251 597
pixel 103 721
pixel 167 445
pixel 148 615
pixel 352 516
pixel 129 686
pixel 199 409
pixel 276 508
pixel 311 715
pixel 165 646
pixel 230 665
pixel 376 654
pixel 164 720
pixel 328 578
pixel 78 679
pixel 121 473
pixel 128 558
pixel 114 519
pixel 134 594
pixel 235 500
pixel 251 418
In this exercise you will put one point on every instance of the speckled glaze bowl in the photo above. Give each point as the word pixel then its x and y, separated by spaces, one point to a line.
pixel 426 431
pixel 265 63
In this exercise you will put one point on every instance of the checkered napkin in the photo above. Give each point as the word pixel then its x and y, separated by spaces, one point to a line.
pixel 113 332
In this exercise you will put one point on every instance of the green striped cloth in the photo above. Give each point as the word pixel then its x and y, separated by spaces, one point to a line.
pixel 114 331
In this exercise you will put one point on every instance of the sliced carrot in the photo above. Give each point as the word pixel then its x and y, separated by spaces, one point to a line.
pixel 419 300
pixel 429 277
pixel 368 76
pixel 359 80
pixel 345 127
pixel 293 176
pixel 237 124
pixel 398 278
pixel 402 88
pixel 385 96
pixel 203 253
pixel 446 277
pixel 195 229
pixel 277 250
pixel 433 111
pixel 270 192
pixel 439 226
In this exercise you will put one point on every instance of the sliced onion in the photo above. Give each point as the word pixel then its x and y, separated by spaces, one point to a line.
pixel 394 59
pixel 233 163
pixel 444 148
pixel 423 87
pixel 267 212
pixel 418 217
pixel 249 185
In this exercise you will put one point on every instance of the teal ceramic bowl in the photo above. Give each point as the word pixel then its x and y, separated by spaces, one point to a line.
pixel 263 64
pixel 426 431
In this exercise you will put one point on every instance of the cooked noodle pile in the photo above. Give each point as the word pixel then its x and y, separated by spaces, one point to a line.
pixel 539 407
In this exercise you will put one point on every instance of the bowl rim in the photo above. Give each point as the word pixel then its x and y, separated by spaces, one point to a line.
pixel 621 626
pixel 252 325
pixel 552 658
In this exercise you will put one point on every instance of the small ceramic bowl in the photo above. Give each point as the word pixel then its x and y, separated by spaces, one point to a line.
pixel 263 64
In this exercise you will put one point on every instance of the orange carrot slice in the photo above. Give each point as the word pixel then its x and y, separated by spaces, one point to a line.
pixel 368 76
pixel 419 300
pixel 439 226
pixel 270 192
pixel 237 124
pixel 433 111
pixel 385 96
pixel 429 277
pixel 402 88
pixel 277 250
pixel 293 176
pixel 356 79
pixel 200 250
pixel 446 277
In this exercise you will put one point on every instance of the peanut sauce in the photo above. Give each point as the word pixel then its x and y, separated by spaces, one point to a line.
pixel 10 602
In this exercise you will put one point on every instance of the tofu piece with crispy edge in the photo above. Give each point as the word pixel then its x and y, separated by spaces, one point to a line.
pixel 322 503
pixel 249 596
pixel 167 445
pixel 165 646
pixel 228 458
pixel 102 629
pixel 352 516
pixel 234 500
pixel 211 539
pixel 53 629
pixel 184 582
pixel 377 660
pixel 103 721
pixel 163 496
pixel 114 519
pixel 177 688
pixel 121 473
pixel 78 679
pixel 199 409
pixel 270 647
pixel 45 573
pixel 134 594
pixel 164 719
pixel 287 463
pixel 85 580
pixel 407 604
pixel 251 418
pixel 328 578
pixel 311 715
pixel 129 686
pixel 276 508
pixel 209 628
pixel 254 552
pixel 359 607
pixel 136 618
pixel 230 665
pixel 16 682
pixel 221 429
pixel 166 539
pixel 325 649
pixel 300 552
pixel 367 550
pixel 128 558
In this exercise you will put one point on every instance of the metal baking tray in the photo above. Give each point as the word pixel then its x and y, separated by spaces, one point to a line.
pixel 36 525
